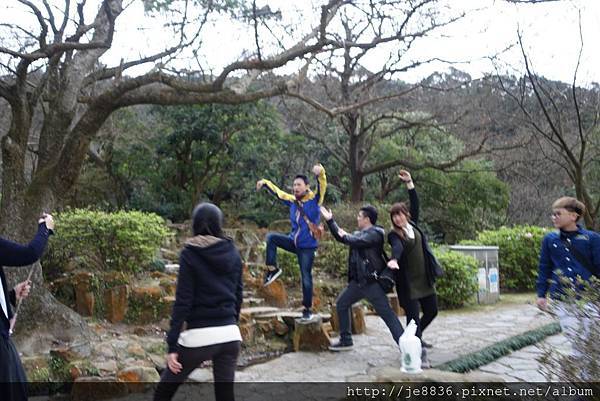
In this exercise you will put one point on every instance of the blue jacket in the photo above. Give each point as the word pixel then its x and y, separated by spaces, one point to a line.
pixel 555 258
pixel 310 202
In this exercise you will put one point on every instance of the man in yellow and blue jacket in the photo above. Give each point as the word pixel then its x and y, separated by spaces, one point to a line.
pixel 304 208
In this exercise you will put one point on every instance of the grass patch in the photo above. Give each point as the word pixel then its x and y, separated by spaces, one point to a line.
pixel 502 348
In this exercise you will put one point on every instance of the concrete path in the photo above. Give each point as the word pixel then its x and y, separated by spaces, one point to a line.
pixel 452 334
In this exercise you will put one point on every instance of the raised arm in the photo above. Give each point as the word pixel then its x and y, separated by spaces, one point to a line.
pixel 412 195
pixel 274 190
pixel 319 172
pixel 13 254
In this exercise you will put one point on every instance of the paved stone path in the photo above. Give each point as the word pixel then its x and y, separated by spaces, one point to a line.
pixel 522 365
pixel 452 334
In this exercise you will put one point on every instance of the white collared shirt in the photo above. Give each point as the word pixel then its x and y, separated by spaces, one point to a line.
pixel 410 232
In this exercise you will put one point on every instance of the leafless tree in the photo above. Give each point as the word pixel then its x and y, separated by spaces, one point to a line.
pixel 564 122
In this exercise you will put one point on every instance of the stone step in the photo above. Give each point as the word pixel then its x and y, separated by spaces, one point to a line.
pixel 254 311
pixel 252 301
pixel 289 316
pixel 172 268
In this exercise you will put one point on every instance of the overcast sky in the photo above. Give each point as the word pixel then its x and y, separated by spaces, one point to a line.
pixel 550 32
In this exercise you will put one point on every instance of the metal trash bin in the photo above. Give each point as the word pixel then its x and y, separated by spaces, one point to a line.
pixel 487 274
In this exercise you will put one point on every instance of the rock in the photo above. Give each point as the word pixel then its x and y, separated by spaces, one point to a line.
pixel 108 366
pixel 136 349
pixel 140 331
pixel 310 335
pixel 358 325
pixel 150 291
pixel 84 297
pixel 97 388
pixel 105 350
pixel 145 304
pixel 172 268
pixel 279 326
pixel 168 285
pixel 65 354
pixel 169 254
pixel 265 327
pixel 245 317
pixel 34 363
pixel 316 303
pixel 274 294
pixel 116 303
pixel 138 378
pixel 158 361
pixel 247 331
pixel 167 303
pixel 258 310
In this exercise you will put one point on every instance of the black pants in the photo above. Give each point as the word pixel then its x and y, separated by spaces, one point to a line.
pixel 224 358
pixel 13 382
pixel 376 296
pixel 413 308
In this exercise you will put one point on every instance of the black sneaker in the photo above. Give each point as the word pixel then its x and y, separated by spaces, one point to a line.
pixel 271 276
pixel 342 345
pixel 307 314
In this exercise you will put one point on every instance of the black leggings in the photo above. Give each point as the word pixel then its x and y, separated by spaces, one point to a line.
pixel 224 358
pixel 429 307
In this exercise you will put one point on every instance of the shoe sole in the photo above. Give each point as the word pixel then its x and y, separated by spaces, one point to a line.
pixel 307 319
pixel 272 278
pixel 338 349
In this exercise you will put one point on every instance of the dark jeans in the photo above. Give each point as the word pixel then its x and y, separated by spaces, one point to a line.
pixel 429 307
pixel 224 358
pixel 306 257
pixel 375 295
pixel 13 382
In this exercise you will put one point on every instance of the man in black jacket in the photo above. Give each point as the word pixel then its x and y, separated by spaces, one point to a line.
pixel 365 260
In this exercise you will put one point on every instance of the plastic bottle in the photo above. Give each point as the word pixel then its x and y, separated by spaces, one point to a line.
pixel 410 345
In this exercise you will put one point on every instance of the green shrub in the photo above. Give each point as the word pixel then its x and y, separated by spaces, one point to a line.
pixel 518 255
pixel 459 283
pixel 332 258
pixel 121 241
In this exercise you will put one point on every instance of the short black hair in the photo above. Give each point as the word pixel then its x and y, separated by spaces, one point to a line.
pixel 371 212
pixel 302 177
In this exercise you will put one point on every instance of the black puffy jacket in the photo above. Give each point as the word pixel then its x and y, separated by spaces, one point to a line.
pixel 366 252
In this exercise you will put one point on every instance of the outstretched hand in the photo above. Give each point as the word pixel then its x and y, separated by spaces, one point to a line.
pixel 259 184
pixel 327 213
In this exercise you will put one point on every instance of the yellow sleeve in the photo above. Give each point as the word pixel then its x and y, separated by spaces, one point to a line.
pixel 275 190
pixel 321 185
